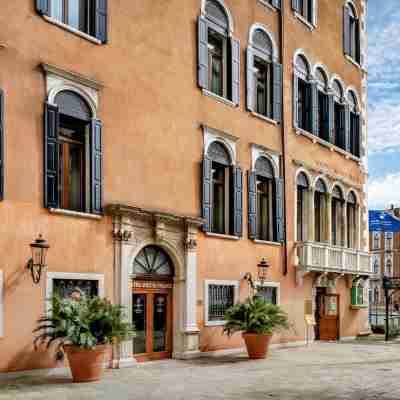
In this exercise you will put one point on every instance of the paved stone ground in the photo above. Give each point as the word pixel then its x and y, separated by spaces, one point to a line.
pixel 325 371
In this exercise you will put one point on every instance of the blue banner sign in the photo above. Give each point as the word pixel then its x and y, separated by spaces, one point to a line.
pixel 382 221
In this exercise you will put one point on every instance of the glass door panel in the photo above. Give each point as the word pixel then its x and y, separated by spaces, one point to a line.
pixel 139 319
pixel 160 314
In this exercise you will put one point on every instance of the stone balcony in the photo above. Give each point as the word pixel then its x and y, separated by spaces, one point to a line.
pixel 324 258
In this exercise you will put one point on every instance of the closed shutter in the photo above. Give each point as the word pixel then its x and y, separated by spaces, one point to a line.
pixel 207 194
pixel 295 101
pixel 347 130
pixel 1 145
pixel 325 118
pixel 354 296
pixel 252 200
pixel 346 30
pixel 96 170
pixel 276 3
pixel 235 46
pixel 43 7
pixel 342 128
pixel 314 109
pixel 331 107
pixel 358 136
pixel 51 164
pixel 309 107
pixel 296 5
pixel 101 24
pixel 237 192
pixel 202 53
pixel 277 94
pixel 280 224
pixel 250 96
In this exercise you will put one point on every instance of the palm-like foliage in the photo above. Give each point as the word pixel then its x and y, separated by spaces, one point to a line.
pixel 84 322
pixel 255 315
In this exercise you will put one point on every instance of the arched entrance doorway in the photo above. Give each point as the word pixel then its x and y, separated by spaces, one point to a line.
pixel 153 274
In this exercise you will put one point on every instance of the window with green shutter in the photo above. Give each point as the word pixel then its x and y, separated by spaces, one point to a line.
pixel 358 296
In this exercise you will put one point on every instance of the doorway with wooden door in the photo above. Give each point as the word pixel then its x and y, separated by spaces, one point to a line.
pixel 152 304
pixel 327 315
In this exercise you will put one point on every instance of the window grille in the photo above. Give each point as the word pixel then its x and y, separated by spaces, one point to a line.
pixel 220 298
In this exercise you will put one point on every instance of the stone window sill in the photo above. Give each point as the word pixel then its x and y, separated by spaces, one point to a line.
pixel 214 323
pixel 330 146
pixel 267 242
pixel 266 4
pixel 219 98
pixel 76 214
pixel 358 307
pixel 307 23
pixel 354 62
pixel 264 118
pixel 72 30
pixel 222 236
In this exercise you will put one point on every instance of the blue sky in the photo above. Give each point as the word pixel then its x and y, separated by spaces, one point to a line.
pixel 384 102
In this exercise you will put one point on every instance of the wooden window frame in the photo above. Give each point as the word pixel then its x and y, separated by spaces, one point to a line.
pixel 271 212
pixel 268 87
pixel 226 202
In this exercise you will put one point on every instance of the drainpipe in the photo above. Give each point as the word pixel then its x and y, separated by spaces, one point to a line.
pixel 283 133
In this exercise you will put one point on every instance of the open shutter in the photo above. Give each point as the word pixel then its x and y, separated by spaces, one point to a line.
pixel 295 101
pixel 277 94
pixel 101 20
pixel 280 224
pixel 202 53
pixel 237 189
pixel 331 108
pixel 309 107
pixel 207 194
pixel 314 109
pixel 346 30
pixel 1 145
pixel 235 45
pixel 276 3
pixel 252 200
pixel 43 7
pixel 250 97
pixel 296 5
pixel 51 164
pixel 96 170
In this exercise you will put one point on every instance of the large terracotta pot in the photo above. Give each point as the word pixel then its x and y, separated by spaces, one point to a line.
pixel 257 345
pixel 86 365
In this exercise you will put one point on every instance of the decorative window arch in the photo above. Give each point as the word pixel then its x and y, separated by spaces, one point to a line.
pixel 152 262
pixel 302 211
pixel 218 52
pixel 306 10
pixel 339 115
pixel 222 191
pixel 320 210
pixel 73 154
pixel 354 129
pixel 351 32
pixel 337 213
pixel 264 75
pixel 321 101
pixel 302 94
pixel 265 201
pixel 352 220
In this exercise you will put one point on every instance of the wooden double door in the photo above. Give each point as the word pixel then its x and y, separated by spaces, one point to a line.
pixel 152 317
pixel 327 315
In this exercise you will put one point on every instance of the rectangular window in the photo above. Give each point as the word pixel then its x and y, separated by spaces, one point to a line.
pixel 304 105
pixel 323 116
pixel 220 189
pixel 389 240
pixel 339 120
pixel 376 240
pixel 263 87
pixel 72 166
pixel 354 134
pixel 351 226
pixel 219 296
pixel 265 202
pixel 216 51
pixel 306 9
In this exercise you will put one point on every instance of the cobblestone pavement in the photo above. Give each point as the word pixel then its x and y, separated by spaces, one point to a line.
pixel 324 371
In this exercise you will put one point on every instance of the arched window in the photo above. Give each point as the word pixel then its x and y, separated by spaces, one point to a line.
pixel 388 267
pixel 337 216
pixel 355 134
pixel 306 9
pixel 73 165
pixel 222 192
pixel 351 36
pixel 351 223
pixel 88 16
pixel 320 211
pixel 265 202
pixel 264 76
pixel 376 266
pixel 376 240
pixel 302 95
pixel 302 211
pixel 153 263
pixel 218 53
pixel 339 115
pixel 322 115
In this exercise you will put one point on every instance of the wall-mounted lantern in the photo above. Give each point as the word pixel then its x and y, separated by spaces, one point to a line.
pixel 262 273
pixel 38 261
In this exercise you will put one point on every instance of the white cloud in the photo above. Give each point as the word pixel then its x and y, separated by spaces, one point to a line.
pixel 383 191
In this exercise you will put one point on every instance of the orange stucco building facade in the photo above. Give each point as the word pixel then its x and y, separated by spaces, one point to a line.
pixel 158 125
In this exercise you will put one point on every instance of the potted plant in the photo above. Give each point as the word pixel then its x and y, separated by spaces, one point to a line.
pixel 257 319
pixel 83 327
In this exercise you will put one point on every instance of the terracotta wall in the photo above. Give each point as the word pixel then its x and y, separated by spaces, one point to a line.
pixel 151 109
